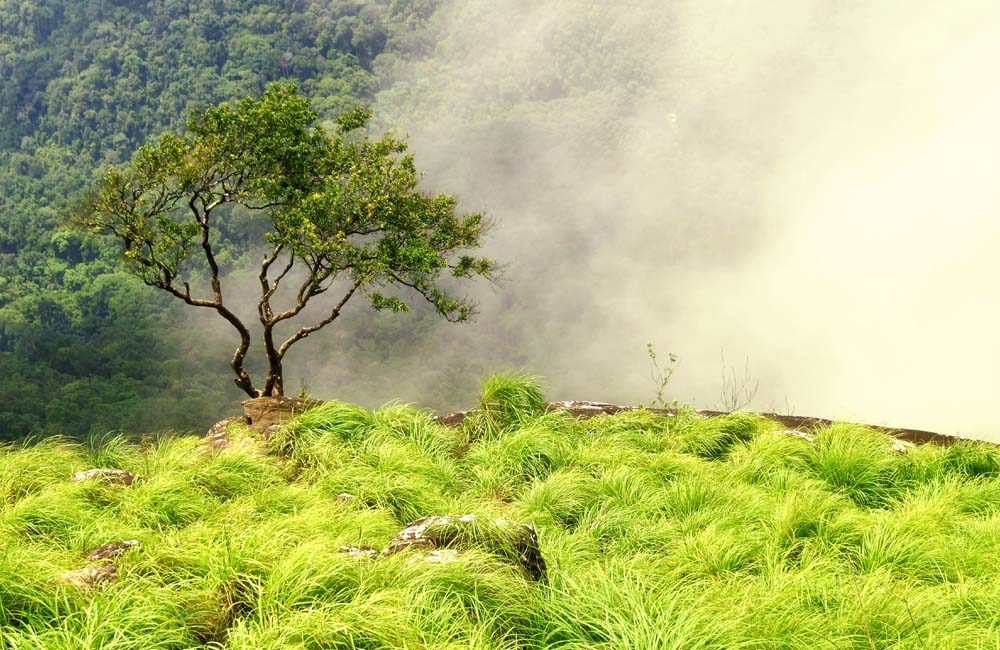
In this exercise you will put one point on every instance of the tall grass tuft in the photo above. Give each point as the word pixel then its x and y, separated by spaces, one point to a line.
pixel 559 500
pixel 506 401
pixel 501 466
pixel 618 606
pixel 856 462
pixel 713 439
pixel 971 459
pixel 35 464
pixel 303 436
pixel 112 449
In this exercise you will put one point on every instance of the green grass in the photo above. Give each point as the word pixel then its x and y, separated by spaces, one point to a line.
pixel 658 532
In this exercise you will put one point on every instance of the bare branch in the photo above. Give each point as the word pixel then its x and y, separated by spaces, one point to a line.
pixel 185 295
pixel 206 246
pixel 266 289
pixel 307 290
pixel 306 331
pixel 269 260
pixel 264 206
pixel 284 272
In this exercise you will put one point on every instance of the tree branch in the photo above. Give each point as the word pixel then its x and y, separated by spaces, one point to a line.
pixel 306 331
pixel 206 246
pixel 266 288
pixel 307 290
pixel 242 376
pixel 466 310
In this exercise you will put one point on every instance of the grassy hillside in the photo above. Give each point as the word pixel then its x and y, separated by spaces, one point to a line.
pixel 658 532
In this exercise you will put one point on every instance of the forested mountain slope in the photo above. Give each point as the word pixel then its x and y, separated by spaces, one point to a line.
pixel 82 85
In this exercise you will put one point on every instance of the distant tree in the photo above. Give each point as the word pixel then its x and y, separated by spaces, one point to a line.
pixel 343 215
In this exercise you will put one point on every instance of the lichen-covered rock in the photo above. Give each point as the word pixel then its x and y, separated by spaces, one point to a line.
pixel 270 431
pixel 218 436
pixel 901 446
pixel 585 409
pixel 506 539
pixel 443 556
pixel 264 412
pixel 111 550
pixel 452 419
pixel 433 532
pixel 358 551
pixel 792 433
pixel 116 476
pixel 92 576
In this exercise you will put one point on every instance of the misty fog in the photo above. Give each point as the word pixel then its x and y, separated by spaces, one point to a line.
pixel 800 187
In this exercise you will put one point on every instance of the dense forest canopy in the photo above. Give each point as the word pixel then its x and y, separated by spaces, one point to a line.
pixel 83 346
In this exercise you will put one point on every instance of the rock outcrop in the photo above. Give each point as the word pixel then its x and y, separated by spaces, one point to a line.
pixel 100 575
pixel 583 410
pixel 264 412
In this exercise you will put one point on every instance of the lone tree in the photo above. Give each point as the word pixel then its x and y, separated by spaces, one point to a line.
pixel 343 215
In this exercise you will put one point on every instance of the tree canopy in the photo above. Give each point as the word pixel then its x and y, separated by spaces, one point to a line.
pixel 84 346
pixel 339 214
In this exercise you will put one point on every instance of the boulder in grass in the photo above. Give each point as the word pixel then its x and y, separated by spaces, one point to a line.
pixel 792 433
pixel 432 532
pixel 901 446
pixel 92 576
pixel 218 435
pixel 585 409
pixel 506 539
pixel 111 550
pixel 115 476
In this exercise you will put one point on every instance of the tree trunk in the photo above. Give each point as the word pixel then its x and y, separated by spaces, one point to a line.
pixel 274 385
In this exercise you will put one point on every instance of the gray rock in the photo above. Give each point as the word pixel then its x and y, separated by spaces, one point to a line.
pixel 808 437
pixel 358 551
pixel 92 576
pixel 901 446
pixel 514 542
pixel 218 435
pixel 270 431
pixel 264 412
pixel 111 550
pixel 444 555
pixel 452 419
pixel 115 476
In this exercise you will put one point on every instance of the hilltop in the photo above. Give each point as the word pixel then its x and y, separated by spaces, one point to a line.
pixel 654 531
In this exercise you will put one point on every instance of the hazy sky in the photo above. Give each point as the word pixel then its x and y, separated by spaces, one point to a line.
pixel 807 187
